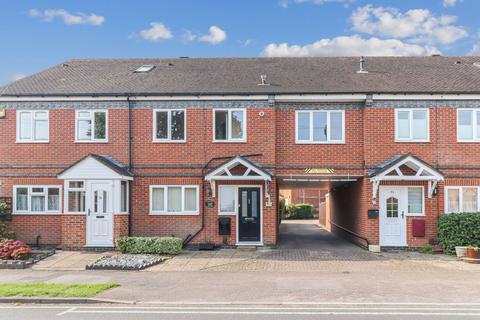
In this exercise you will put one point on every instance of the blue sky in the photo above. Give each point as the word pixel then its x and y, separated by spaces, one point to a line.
pixel 39 34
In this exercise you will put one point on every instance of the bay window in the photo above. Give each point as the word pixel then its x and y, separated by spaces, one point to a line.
pixel 320 126
pixel 169 126
pixel 411 125
pixel 174 200
pixel 468 125
pixel 36 199
pixel 91 126
pixel 32 126
pixel 229 125
pixel 461 199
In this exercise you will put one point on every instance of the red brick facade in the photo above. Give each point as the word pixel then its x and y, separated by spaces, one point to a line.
pixel 369 141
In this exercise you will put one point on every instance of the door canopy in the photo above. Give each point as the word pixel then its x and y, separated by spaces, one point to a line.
pixel 239 169
pixel 94 166
pixel 405 168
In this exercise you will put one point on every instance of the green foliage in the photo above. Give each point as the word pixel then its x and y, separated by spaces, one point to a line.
pixel 428 249
pixel 3 210
pixel 6 232
pixel 53 289
pixel 300 211
pixel 150 245
pixel 282 207
pixel 459 229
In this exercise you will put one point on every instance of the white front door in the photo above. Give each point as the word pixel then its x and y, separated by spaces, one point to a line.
pixel 393 209
pixel 99 214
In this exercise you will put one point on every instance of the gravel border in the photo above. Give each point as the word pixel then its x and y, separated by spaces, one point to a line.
pixel 23 264
pixel 125 262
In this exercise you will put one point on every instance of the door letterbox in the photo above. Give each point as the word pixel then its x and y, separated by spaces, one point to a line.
pixel 224 226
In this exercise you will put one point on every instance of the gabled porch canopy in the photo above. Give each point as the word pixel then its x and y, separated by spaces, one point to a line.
pixel 239 169
pixel 97 167
pixel 405 168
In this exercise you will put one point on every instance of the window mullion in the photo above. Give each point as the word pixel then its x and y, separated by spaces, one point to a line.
pixel 165 199
pixel 460 199
pixel 310 120
pixel 182 199
pixel 328 126
pixel 410 124
pixel 92 125
pixel 229 125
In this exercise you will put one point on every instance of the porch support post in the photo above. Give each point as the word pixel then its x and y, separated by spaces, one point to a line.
pixel 375 184
pixel 432 184
pixel 212 186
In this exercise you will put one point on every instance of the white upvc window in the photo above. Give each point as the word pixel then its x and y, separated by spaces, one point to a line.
pixel 124 194
pixel 32 126
pixel 416 204
pixel 468 125
pixel 230 125
pixel 227 200
pixel 320 127
pixel 34 199
pixel 462 199
pixel 412 125
pixel 169 125
pixel 75 196
pixel 174 200
pixel 91 126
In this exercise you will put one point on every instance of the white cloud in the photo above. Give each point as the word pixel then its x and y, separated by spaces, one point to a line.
pixel 475 50
pixel 449 3
pixel 416 25
pixel 285 3
pixel 68 18
pixel 156 32
pixel 349 46
pixel 215 35
pixel 18 76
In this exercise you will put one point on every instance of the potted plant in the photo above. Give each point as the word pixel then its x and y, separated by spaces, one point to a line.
pixel 461 251
pixel 473 252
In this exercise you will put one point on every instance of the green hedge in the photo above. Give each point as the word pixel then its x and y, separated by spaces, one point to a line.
pixel 459 229
pixel 150 245
pixel 300 211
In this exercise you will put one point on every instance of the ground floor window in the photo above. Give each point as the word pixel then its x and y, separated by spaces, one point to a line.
pixel 461 199
pixel 124 196
pixel 36 199
pixel 227 199
pixel 415 201
pixel 174 200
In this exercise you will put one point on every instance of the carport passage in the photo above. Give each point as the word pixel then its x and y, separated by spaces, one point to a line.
pixel 309 235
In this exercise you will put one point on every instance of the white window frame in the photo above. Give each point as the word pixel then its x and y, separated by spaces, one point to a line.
pixel 68 189
pixel 417 214
pixel 127 195
pixel 169 126
pixel 92 118
pixel 229 138
pixel 460 197
pixel 32 124
pixel 183 212
pixel 476 134
pixel 235 205
pixel 310 140
pixel 410 120
pixel 29 204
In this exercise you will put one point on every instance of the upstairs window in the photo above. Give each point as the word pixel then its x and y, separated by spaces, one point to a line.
pixel 169 126
pixel 91 126
pixel 411 125
pixel 468 125
pixel 229 125
pixel 320 127
pixel 32 126
pixel 37 199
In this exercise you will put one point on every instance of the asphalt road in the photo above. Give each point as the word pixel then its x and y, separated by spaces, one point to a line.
pixel 242 312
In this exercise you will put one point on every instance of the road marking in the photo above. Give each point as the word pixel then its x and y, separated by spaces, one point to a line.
pixel 66 311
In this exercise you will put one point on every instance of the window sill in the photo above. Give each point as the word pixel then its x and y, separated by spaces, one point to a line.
pixel 468 141
pixel 415 215
pixel 174 213
pixel 91 141
pixel 36 213
pixel 28 142
pixel 229 141
pixel 227 213
pixel 412 141
pixel 169 141
pixel 320 142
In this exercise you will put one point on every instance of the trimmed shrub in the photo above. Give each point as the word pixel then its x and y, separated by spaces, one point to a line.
pixel 282 207
pixel 300 211
pixel 459 229
pixel 6 232
pixel 14 249
pixel 150 245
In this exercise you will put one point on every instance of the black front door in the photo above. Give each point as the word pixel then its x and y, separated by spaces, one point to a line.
pixel 249 220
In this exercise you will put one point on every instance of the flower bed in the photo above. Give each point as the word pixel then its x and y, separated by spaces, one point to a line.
pixel 126 262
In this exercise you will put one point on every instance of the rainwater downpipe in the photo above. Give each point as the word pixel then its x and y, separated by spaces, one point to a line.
pixel 130 162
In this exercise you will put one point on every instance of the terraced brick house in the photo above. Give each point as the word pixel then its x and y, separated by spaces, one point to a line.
pixel 96 149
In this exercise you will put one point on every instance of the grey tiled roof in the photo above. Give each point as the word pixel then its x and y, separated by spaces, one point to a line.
pixel 242 75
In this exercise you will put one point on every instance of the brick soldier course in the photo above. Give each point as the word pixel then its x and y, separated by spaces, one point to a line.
pixel 271 155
